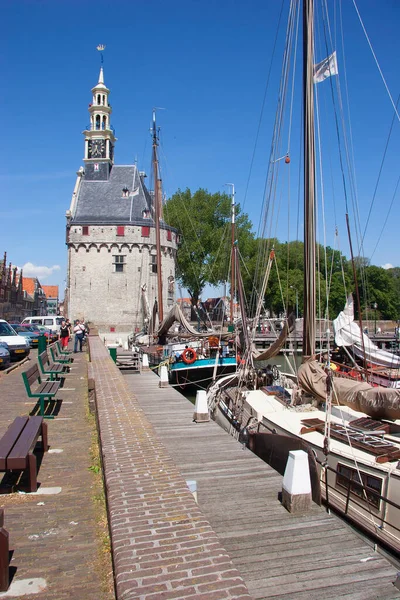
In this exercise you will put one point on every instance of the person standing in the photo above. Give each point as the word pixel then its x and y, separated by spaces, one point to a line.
pixel 79 331
pixel 64 334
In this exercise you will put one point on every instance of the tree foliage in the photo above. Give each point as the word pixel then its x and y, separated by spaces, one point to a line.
pixel 204 220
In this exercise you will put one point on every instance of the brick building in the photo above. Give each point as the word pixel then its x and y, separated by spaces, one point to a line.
pixel 111 236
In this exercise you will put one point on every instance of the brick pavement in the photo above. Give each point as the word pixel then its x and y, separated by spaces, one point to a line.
pixel 55 537
pixel 163 546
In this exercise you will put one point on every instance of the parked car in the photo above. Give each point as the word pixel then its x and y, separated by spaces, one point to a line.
pixel 51 336
pixel 50 321
pixel 28 332
pixel 18 346
pixel 5 358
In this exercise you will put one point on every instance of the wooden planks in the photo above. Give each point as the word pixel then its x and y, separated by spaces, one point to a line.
pixel 279 555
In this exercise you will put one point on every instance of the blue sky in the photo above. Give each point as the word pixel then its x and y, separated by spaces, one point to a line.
pixel 207 64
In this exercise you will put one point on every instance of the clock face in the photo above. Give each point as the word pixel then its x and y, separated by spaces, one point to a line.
pixel 97 148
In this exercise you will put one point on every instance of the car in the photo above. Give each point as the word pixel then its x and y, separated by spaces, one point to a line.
pixel 4 356
pixel 50 321
pixel 28 332
pixel 51 336
pixel 18 346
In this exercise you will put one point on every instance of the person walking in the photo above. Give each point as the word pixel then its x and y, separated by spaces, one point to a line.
pixel 79 331
pixel 64 334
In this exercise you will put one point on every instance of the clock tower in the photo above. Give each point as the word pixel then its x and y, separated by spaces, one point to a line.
pixel 99 135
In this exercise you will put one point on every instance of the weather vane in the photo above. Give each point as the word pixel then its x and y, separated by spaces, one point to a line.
pixel 100 48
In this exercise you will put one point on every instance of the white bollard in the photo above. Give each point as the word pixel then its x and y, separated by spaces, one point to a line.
pixel 296 485
pixel 192 485
pixel 145 363
pixel 163 377
pixel 201 413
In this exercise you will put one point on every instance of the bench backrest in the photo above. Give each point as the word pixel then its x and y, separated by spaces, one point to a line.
pixel 43 359
pixel 30 376
pixel 54 352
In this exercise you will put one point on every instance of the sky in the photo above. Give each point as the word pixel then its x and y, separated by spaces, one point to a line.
pixel 207 64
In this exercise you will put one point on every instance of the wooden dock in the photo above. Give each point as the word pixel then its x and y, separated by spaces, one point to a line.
pixel 279 555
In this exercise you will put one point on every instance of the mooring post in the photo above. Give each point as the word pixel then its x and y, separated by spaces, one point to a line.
pixel 296 485
pixel 201 412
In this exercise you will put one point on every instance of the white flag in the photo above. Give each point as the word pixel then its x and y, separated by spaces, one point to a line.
pixel 326 68
pixel 134 192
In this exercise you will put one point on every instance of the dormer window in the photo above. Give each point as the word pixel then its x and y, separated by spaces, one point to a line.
pixel 125 192
pixel 146 213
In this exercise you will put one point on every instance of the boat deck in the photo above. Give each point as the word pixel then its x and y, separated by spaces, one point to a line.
pixel 278 554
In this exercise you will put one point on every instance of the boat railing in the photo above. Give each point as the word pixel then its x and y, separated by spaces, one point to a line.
pixel 367 496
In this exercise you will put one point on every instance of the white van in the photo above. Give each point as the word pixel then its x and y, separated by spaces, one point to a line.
pixel 18 346
pixel 50 321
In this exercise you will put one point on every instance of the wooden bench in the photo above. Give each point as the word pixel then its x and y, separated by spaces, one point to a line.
pixel 45 390
pixel 52 369
pixel 17 445
pixel 59 358
pixel 4 555
pixel 61 350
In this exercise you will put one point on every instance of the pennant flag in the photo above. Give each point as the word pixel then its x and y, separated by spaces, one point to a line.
pixel 326 68
pixel 135 192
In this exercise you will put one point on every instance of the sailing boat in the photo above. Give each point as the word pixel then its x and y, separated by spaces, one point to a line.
pixel 384 366
pixel 193 358
pixel 351 428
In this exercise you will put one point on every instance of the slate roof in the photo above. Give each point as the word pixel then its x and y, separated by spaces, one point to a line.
pixel 102 202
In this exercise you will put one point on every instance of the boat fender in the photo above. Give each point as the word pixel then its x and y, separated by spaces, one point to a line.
pixel 189 356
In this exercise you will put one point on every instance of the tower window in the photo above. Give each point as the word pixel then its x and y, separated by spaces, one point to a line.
pixel 97 121
pixel 120 230
pixel 85 230
pixel 119 263
pixel 98 99
pixel 104 99
pixel 153 264
pixel 104 126
pixel 145 231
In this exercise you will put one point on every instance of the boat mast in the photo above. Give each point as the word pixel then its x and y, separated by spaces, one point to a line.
pixel 233 254
pixel 157 216
pixel 309 181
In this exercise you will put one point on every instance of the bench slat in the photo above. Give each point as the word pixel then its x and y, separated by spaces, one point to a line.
pixel 17 459
pixel 8 439
pixel 48 388
pixel 32 374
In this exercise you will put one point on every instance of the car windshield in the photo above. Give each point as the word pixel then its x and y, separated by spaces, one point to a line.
pixel 6 329
pixel 31 328
pixel 18 328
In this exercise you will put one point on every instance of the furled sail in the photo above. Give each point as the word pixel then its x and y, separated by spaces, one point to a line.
pixel 348 333
pixel 275 348
pixel 377 402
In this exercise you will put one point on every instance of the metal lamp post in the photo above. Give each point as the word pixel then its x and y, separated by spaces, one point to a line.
pixel 375 307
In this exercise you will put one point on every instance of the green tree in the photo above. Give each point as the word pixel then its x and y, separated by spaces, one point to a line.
pixel 204 221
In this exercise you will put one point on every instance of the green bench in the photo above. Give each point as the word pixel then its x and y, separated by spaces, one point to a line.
pixel 60 349
pixel 59 358
pixel 54 370
pixel 45 390
pixel 4 555
pixel 17 446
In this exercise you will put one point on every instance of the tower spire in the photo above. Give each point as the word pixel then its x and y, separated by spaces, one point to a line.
pixel 99 134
